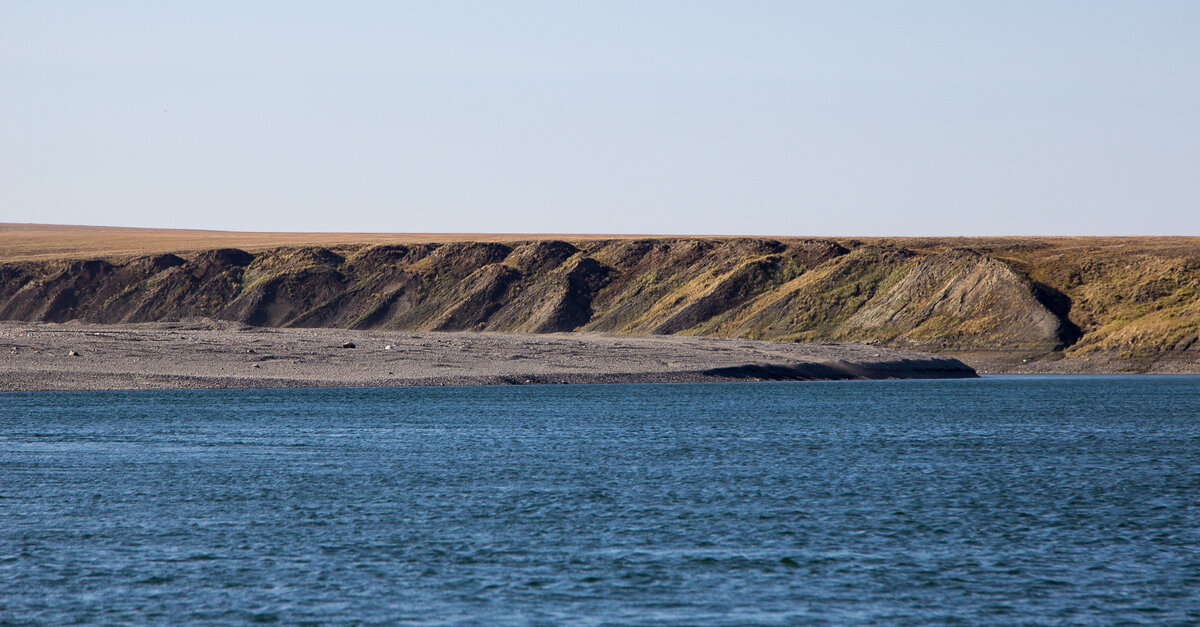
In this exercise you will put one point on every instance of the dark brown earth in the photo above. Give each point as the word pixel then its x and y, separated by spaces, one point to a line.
pixel 1000 304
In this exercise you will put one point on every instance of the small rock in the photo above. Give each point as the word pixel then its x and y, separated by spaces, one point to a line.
pixel 348 345
pixel 250 351
pixel 257 366
pixel 388 347
pixel 72 354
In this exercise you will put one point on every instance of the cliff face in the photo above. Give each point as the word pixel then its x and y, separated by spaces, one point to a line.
pixel 1041 297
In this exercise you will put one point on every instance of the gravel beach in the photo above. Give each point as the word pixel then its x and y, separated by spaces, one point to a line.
pixel 216 354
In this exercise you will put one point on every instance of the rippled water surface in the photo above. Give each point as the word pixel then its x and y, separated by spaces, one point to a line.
pixel 999 500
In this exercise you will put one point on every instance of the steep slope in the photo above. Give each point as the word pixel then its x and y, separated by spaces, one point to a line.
pixel 1077 299
pixel 961 299
pixel 1135 299
pixel 816 305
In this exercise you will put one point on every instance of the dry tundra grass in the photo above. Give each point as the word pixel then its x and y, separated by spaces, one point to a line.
pixel 27 242
pixel 30 242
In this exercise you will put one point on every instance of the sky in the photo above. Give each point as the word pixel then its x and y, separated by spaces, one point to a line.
pixel 743 117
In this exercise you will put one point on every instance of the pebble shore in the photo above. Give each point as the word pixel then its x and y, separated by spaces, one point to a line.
pixel 216 354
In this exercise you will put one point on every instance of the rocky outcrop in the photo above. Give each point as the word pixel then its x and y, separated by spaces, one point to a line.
pixel 994 295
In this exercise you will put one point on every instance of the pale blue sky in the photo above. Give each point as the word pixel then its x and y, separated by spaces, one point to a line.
pixel 772 118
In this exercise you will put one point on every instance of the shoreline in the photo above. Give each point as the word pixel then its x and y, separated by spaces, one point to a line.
pixel 208 354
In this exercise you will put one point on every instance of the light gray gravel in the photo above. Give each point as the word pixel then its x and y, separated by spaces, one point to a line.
pixel 215 354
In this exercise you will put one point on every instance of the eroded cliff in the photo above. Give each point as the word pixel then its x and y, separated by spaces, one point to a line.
pixel 1040 299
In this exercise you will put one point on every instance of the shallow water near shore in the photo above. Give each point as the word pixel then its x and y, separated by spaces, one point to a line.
pixel 996 500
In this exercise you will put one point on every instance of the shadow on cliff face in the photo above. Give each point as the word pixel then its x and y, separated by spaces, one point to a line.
pixel 571 308
pixel 1059 304
pixel 946 368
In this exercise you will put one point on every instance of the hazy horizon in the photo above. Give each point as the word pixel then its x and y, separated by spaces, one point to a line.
pixel 702 118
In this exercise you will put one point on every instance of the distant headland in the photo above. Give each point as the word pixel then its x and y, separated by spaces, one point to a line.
pixel 1000 304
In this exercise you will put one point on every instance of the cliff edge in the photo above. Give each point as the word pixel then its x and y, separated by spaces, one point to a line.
pixel 1032 304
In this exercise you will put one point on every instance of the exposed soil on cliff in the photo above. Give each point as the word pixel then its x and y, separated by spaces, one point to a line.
pixel 1071 302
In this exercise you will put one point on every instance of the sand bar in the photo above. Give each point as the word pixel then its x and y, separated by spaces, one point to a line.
pixel 214 354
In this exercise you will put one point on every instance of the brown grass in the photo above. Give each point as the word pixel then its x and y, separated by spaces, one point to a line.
pixel 24 242
pixel 21 242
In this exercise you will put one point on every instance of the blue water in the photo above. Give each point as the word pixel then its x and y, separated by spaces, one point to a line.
pixel 1000 500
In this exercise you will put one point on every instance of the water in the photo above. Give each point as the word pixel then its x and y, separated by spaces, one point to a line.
pixel 1001 500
